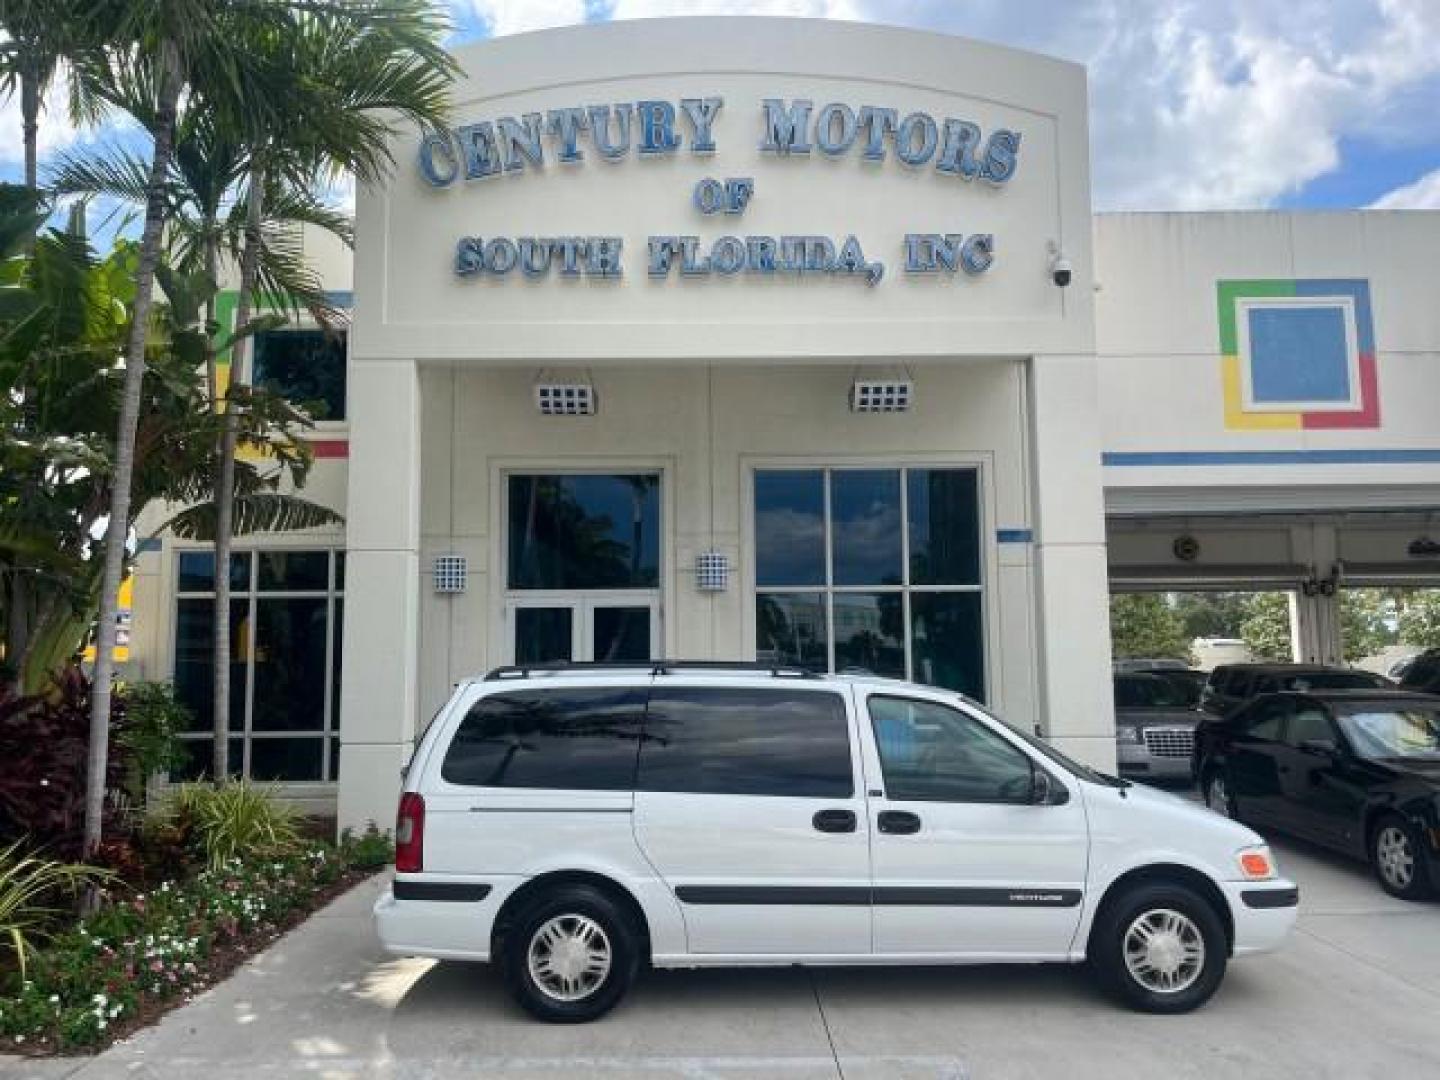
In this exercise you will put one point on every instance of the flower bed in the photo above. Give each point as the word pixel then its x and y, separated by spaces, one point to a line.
pixel 142 954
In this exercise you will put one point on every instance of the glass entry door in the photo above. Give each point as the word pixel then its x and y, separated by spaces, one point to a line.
pixel 613 629
pixel 582 567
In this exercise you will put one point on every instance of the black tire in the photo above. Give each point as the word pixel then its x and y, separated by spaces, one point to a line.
pixel 570 909
pixel 1393 841
pixel 1152 900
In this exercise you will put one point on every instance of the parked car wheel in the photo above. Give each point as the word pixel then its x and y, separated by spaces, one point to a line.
pixel 1217 793
pixel 1398 859
pixel 571 955
pixel 1159 948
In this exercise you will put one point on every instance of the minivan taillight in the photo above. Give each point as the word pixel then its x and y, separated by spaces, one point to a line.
pixel 410 834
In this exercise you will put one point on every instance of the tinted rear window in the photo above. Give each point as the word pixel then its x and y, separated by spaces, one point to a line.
pixel 720 741
pixel 1148 692
pixel 569 737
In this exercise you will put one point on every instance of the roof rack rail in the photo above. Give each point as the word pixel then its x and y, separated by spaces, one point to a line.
pixel 654 667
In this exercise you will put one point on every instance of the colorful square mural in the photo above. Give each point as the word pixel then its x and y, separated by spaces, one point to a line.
pixel 1298 354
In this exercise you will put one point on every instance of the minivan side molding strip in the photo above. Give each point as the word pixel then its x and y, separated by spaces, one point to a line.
pixel 885 896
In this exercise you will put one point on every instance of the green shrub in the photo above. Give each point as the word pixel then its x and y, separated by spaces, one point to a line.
pixel 371 850
pixel 232 821
pixel 29 888
pixel 153 719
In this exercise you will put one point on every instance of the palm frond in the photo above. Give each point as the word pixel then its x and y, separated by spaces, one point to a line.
pixel 255 513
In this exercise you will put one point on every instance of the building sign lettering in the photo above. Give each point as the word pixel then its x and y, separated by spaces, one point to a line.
pixel 569 136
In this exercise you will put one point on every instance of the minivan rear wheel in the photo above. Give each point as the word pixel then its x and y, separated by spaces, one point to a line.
pixel 1159 948
pixel 570 955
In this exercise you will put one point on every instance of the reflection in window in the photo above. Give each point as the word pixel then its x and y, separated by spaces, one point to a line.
pixel 870 633
pixel 865 531
pixel 834 586
pixel 584 531
pixel 931 752
pixel 579 739
pixel 284 672
pixel 715 741
pixel 790 629
pixel 307 367
pixel 790 528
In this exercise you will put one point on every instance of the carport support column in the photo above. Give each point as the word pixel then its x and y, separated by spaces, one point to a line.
pixel 379 677
pixel 1071 578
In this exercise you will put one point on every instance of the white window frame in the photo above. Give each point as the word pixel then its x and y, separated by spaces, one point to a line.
pixel 251 595
pixel 983 467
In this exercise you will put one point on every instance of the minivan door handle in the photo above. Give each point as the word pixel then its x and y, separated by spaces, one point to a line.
pixel 899 822
pixel 834 820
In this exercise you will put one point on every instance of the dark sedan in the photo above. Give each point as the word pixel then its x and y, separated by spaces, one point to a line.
pixel 1354 770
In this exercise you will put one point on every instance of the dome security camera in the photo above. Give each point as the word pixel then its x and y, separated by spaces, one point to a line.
pixel 1060 270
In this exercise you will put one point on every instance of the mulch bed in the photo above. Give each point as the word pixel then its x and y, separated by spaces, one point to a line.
pixel 219 965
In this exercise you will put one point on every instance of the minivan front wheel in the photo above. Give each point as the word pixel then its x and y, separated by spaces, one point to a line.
pixel 1160 948
pixel 571 955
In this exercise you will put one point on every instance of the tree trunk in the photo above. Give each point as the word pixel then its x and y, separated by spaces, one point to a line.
pixel 30 123
pixel 225 486
pixel 18 611
pixel 118 529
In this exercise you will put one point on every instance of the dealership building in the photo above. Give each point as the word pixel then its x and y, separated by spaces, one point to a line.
pixel 799 341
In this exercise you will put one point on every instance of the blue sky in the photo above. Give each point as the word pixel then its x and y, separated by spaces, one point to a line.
pixel 1195 104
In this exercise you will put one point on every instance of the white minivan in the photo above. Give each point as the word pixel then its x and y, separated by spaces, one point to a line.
pixel 575 822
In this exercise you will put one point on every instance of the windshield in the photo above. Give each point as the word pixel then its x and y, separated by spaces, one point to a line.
pixel 1394 733
pixel 1333 680
pixel 1070 765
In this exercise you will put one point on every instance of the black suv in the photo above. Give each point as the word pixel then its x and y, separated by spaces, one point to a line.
pixel 1423 673
pixel 1232 685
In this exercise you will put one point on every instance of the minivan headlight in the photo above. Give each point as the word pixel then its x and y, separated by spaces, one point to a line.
pixel 1127 733
pixel 1256 863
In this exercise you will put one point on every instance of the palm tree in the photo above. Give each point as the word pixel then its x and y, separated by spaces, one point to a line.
pixel 346 77
pixel 38 33
pixel 150 54
pixel 63 325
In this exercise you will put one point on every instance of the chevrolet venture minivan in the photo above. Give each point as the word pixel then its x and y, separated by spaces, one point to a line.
pixel 573 823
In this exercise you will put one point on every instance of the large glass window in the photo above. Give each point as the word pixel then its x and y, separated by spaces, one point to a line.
pixel 573 738
pixel 718 741
pixel 584 531
pixel 306 366
pixel 285 617
pixel 876 569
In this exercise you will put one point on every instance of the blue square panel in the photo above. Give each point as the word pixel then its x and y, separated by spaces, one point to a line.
pixel 1298 355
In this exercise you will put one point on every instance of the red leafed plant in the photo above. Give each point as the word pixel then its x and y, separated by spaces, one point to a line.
pixel 43 743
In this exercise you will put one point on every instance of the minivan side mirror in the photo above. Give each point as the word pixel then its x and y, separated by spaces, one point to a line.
pixel 1044 791
pixel 1327 747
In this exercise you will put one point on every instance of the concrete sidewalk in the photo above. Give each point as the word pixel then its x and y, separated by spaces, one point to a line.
pixel 1357 994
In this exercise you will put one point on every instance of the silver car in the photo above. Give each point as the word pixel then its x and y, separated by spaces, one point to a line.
pixel 1155 722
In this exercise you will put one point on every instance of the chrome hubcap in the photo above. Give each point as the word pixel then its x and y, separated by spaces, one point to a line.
pixel 1394 857
pixel 569 957
pixel 1164 951
pixel 1217 799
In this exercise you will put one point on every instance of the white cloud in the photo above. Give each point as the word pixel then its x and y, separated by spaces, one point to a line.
pixel 1195 103
pixel 516 16
pixel 1423 194
pixel 56 131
